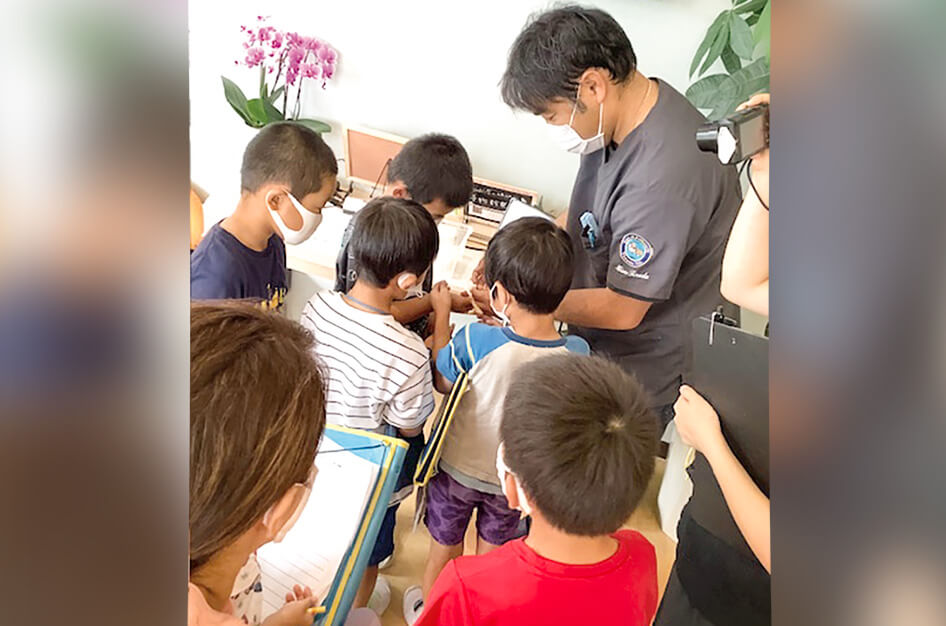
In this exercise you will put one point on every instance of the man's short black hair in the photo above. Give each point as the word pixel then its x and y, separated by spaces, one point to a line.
pixel 288 153
pixel 579 435
pixel 534 260
pixel 390 236
pixel 554 50
pixel 434 166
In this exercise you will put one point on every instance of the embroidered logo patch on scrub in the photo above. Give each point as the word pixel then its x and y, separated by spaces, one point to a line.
pixel 636 251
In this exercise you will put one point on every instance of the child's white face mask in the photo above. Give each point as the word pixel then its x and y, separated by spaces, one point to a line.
pixel 500 314
pixel 310 221
pixel 280 534
pixel 501 470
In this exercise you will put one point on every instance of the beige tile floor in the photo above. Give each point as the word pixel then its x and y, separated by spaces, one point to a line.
pixel 411 547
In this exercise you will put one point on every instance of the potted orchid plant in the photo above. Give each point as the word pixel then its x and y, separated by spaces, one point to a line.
pixel 285 60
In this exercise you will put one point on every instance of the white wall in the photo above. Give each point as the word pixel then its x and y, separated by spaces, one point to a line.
pixel 410 67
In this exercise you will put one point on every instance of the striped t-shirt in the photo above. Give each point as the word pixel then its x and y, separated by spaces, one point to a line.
pixel 377 372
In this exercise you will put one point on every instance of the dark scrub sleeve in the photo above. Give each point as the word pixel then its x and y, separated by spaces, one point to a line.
pixel 650 234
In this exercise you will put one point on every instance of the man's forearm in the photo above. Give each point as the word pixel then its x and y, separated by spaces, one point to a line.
pixel 601 308
pixel 406 311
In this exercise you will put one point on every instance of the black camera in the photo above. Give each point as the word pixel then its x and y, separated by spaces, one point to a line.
pixel 737 137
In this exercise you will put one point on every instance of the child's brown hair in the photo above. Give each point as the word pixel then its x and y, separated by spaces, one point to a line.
pixel 578 433
pixel 257 413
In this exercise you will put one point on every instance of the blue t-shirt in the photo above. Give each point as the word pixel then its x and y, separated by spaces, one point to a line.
pixel 222 268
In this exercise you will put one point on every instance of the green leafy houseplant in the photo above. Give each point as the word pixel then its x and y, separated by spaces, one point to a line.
pixel 740 37
pixel 285 61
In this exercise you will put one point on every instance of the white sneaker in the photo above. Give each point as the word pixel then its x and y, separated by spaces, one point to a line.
pixel 413 604
pixel 380 596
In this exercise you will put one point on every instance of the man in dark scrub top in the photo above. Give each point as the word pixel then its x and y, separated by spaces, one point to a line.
pixel 649 214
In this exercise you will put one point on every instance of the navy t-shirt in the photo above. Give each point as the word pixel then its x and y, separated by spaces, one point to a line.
pixel 222 268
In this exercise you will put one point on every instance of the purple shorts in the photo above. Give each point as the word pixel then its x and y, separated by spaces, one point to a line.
pixel 450 506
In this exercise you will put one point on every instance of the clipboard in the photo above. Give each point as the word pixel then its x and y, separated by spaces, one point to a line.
pixel 390 457
pixel 429 461
pixel 731 370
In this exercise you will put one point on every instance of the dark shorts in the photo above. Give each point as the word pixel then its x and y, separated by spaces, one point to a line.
pixel 450 506
pixel 384 544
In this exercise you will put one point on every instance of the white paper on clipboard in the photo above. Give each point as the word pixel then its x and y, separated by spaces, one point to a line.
pixel 313 550
pixel 517 209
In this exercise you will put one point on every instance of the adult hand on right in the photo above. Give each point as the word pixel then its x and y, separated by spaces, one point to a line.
pixel 697 421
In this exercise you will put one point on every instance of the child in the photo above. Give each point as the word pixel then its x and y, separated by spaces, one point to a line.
pixel 257 413
pixel 578 451
pixel 288 175
pixel 380 374
pixel 529 266
pixel 435 171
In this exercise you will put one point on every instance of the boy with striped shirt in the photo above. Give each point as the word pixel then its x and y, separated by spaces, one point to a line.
pixel 378 373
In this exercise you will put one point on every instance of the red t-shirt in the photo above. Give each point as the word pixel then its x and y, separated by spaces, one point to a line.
pixel 513 585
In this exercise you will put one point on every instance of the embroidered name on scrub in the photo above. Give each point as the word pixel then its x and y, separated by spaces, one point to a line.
pixel 620 269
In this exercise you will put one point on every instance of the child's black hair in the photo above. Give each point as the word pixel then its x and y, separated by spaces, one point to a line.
pixel 580 437
pixel 288 153
pixel 534 260
pixel 434 166
pixel 391 236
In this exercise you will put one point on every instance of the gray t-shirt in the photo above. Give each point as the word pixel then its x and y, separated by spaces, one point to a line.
pixel 663 211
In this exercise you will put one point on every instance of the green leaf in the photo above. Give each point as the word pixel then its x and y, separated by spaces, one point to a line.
pixel 316 125
pixel 763 30
pixel 711 35
pixel 731 60
pixel 752 20
pixel 257 113
pixel 722 39
pixel 740 37
pixel 275 95
pixel 745 83
pixel 237 100
pixel 272 113
pixel 750 6
pixel 703 93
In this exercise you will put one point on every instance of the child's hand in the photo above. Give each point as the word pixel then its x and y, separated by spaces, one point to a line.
pixel 440 299
pixel 295 611
pixel 697 421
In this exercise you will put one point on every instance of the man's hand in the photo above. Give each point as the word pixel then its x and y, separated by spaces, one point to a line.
pixel 440 299
pixel 697 422
pixel 295 611
pixel 481 306
pixel 461 301
pixel 479 274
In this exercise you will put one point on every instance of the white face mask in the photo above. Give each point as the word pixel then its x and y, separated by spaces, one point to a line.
pixel 500 314
pixel 415 292
pixel 310 221
pixel 501 470
pixel 569 139
pixel 282 532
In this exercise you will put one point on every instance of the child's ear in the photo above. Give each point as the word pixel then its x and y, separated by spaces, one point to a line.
pixel 406 280
pixel 512 494
pixel 398 189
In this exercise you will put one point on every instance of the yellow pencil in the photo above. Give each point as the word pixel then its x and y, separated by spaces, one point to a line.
pixel 316 610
